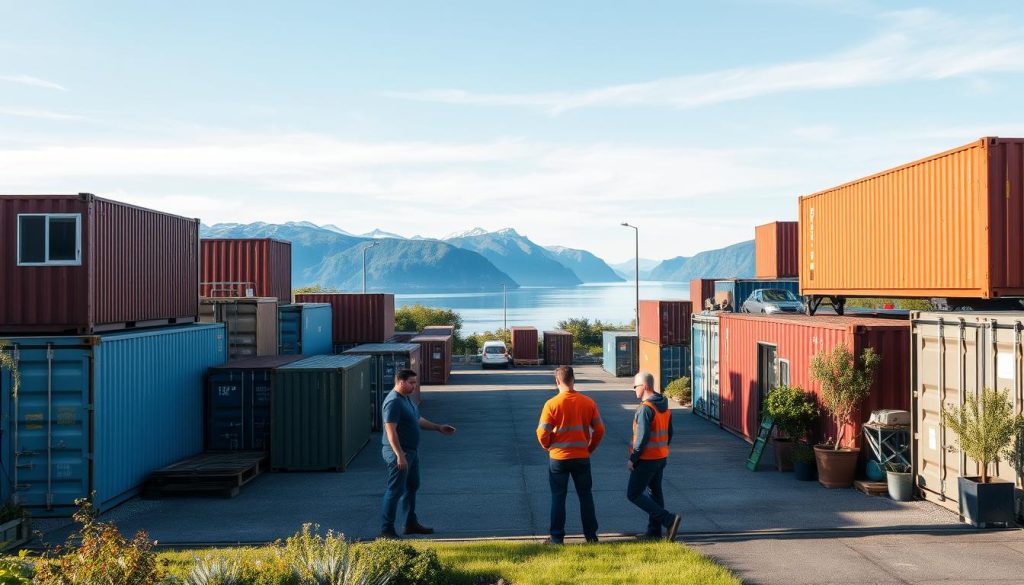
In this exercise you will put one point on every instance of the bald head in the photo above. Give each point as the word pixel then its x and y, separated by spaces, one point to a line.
pixel 644 379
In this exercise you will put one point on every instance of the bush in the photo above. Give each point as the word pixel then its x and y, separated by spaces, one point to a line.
pixel 679 389
pixel 792 409
pixel 985 428
pixel 878 303
pixel 16 571
pixel 843 385
pixel 803 453
pixel 329 560
pixel 473 343
pixel 407 565
pixel 587 335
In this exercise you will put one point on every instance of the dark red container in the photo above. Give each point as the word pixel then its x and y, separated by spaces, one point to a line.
pixel 435 358
pixel 558 348
pixel 231 266
pixel 747 344
pixel 665 322
pixel 777 249
pixel 443 331
pixel 524 343
pixel 130 267
pixel 701 289
pixel 358 318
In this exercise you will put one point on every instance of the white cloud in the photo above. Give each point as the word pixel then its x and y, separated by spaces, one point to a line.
pixel 913 45
pixel 33 81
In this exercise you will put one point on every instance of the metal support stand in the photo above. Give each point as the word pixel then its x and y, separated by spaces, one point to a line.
pixel 890 444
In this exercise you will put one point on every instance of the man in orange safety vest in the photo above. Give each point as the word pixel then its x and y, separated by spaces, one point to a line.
pixel 648 454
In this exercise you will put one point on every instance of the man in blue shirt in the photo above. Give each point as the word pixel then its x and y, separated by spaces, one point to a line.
pixel 401 440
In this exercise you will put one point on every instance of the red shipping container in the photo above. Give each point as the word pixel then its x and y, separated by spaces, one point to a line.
pixel 702 289
pixel 444 331
pixel 665 322
pixel 358 318
pixel 86 264
pixel 558 348
pixel 755 351
pixel 261 264
pixel 524 343
pixel 777 249
pixel 435 358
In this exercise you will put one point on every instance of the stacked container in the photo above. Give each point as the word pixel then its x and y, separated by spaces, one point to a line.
pixel 621 353
pixel 251 324
pixel 321 413
pixel 702 290
pixel 358 318
pixel 664 332
pixel 558 348
pixel 238 398
pixel 738 290
pixel 386 359
pixel 256 267
pixel 777 250
pixel 525 344
pixel 305 329
pixel 705 367
pixel 435 358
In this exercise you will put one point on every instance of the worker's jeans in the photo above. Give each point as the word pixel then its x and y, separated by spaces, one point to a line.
pixel 401 486
pixel 646 476
pixel 559 472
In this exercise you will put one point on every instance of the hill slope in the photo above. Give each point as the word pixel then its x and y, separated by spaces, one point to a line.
pixel 526 262
pixel 736 260
pixel 586 266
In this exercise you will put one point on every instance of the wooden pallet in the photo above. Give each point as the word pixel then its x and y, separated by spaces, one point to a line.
pixel 872 488
pixel 521 362
pixel 219 473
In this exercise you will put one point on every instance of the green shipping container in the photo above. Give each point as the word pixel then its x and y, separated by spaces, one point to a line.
pixel 320 418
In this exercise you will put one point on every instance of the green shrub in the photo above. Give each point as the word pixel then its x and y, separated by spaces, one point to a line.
pixel 985 428
pixel 407 565
pixel 843 385
pixel 792 409
pixel 803 453
pixel 587 334
pixel 679 389
pixel 16 571
pixel 329 560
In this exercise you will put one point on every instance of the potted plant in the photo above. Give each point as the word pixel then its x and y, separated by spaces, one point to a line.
pixel 1016 460
pixel 985 427
pixel 793 411
pixel 843 387
pixel 899 480
pixel 679 390
pixel 804 467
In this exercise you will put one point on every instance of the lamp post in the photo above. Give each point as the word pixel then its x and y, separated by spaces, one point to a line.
pixel 504 305
pixel 365 248
pixel 636 232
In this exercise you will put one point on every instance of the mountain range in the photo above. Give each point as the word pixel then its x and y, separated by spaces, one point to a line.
pixel 474 260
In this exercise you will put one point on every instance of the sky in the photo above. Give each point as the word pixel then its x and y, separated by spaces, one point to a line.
pixel 694 121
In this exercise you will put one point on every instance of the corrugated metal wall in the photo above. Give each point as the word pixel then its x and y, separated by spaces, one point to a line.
pixel 701 289
pixel 704 366
pixel 665 362
pixel 777 250
pixel 665 322
pixel 251 324
pixel 358 318
pixel 558 348
pixel 435 358
pixel 265 262
pixel 621 353
pixel 525 343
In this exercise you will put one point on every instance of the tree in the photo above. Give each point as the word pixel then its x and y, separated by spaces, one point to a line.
pixel 984 427
pixel 416 317
pixel 843 385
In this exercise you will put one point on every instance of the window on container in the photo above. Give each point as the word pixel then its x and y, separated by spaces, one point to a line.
pixel 784 372
pixel 50 239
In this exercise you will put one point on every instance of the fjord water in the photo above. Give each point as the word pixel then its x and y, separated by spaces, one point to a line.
pixel 543 307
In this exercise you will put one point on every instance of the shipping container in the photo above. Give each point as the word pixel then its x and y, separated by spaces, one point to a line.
pixel 100 413
pixel 443 330
pixel 666 362
pixel 955 356
pixel 435 358
pixel 702 290
pixel 621 353
pixel 947 226
pixel 525 345
pixel 705 367
pixel 321 413
pixel 305 329
pixel 246 267
pixel 558 348
pixel 386 360
pixel 777 250
pixel 737 290
pixel 238 403
pixel 402 337
pixel 251 324
pixel 758 353
pixel 665 322
pixel 79 264
pixel 358 318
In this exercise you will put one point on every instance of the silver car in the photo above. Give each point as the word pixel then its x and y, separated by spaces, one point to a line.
pixel 771 301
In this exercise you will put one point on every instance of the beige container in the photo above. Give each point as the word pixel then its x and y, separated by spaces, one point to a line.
pixel 251 323
pixel 955 355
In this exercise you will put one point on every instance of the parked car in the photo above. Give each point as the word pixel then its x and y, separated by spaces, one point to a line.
pixel 771 301
pixel 494 354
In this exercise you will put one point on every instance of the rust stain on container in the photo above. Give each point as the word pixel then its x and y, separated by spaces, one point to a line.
pixel 262 264
pixel 777 249
pixel 756 353
pixel 524 343
pixel 950 225
pixel 127 267
pixel 665 322
pixel 358 318
pixel 558 348
pixel 702 289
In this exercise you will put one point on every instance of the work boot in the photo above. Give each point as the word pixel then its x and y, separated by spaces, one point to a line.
pixel 553 542
pixel 388 535
pixel 673 528
pixel 417 529
pixel 648 536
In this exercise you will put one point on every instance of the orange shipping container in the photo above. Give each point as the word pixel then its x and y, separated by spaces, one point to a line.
pixel 776 249
pixel 702 289
pixel 951 225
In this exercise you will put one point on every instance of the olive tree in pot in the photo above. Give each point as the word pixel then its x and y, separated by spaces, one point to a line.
pixel 793 411
pixel 1016 459
pixel 680 391
pixel 985 427
pixel 843 387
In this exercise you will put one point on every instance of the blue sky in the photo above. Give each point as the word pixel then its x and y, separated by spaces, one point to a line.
pixel 695 121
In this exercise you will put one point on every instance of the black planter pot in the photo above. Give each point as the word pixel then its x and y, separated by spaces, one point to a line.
pixel 986 504
pixel 805 471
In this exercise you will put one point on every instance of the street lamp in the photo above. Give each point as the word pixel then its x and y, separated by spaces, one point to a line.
pixel 636 230
pixel 365 248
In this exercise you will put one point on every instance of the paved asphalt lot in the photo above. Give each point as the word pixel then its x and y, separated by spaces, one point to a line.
pixel 490 480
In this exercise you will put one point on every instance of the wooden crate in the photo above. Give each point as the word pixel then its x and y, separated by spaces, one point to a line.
pixel 218 473
pixel 14 533
pixel 872 488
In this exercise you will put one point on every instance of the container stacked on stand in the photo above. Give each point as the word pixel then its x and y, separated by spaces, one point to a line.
pixel 557 348
pixel 246 267
pixel 664 332
pixel 358 318
pixel 386 359
pixel 731 293
pixel 525 350
pixel 620 353
pixel 100 300
pixel 305 329
pixel 251 323
pixel 705 366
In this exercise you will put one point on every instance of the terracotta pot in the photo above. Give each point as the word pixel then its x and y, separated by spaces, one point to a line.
pixel 836 469
pixel 783 454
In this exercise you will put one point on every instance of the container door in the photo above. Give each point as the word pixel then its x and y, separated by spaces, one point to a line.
pixel 625 356
pixel 225 411
pixel 700 374
pixel 49 426
pixel 767 373
pixel 257 414
pixel 713 372
pixel 289 333
pixel 1003 371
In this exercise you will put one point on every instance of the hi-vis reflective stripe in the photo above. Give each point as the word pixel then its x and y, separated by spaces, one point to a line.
pixel 596 422
pixel 656 434
pixel 652 444
pixel 569 429
pixel 569 444
pixel 544 426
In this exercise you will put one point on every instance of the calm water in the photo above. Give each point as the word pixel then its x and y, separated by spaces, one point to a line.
pixel 544 307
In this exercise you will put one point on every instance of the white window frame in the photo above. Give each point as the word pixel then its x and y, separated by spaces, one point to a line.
pixel 783 362
pixel 46 239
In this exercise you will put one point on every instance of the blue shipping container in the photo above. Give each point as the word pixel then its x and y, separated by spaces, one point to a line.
pixel 675 363
pixel 100 413
pixel 705 366
pixel 238 403
pixel 621 353
pixel 305 329
pixel 740 288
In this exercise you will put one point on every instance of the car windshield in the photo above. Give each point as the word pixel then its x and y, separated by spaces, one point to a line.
pixel 778 295
pixel 494 349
